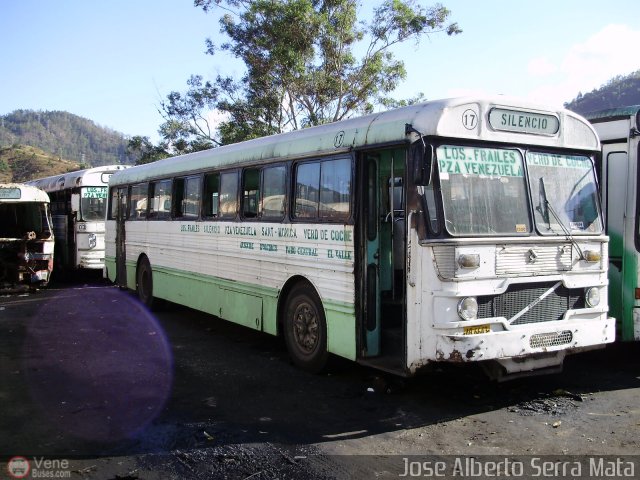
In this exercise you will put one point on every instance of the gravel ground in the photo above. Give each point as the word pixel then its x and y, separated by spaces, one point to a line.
pixel 90 378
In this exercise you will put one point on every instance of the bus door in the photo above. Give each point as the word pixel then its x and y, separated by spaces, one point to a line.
pixel 621 293
pixel 371 276
pixel 121 257
pixel 383 236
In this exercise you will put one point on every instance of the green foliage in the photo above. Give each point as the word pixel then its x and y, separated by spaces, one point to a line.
pixel 65 135
pixel 620 91
pixel 145 151
pixel 301 66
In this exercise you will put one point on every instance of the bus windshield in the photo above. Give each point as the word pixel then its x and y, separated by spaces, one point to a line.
pixel 563 189
pixel 483 190
pixel 92 203
pixel 17 219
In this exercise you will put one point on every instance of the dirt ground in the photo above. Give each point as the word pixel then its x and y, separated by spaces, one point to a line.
pixel 100 388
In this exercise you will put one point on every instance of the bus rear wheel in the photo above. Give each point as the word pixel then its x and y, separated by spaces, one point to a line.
pixel 144 283
pixel 305 329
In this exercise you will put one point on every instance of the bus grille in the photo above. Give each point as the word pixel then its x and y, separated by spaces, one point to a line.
pixel 517 297
pixel 552 339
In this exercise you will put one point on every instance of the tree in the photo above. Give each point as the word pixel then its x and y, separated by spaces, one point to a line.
pixel 142 148
pixel 302 66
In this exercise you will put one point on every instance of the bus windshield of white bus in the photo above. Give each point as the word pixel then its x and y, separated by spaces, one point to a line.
pixel 20 218
pixel 483 190
pixel 564 193
pixel 93 203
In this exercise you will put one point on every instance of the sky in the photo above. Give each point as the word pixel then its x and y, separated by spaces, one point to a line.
pixel 114 61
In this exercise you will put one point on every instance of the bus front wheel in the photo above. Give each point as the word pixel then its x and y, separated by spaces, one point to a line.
pixel 305 329
pixel 144 283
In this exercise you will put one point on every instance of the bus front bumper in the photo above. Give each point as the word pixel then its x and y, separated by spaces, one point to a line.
pixel 532 347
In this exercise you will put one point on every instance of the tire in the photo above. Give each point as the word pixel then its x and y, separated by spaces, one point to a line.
pixel 305 329
pixel 144 283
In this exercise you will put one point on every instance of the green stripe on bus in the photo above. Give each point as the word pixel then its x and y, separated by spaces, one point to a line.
pixel 251 305
pixel 630 282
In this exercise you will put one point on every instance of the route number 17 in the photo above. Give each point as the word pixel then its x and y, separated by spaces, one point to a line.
pixel 470 119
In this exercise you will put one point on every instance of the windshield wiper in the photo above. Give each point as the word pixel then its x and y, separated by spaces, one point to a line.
pixel 544 211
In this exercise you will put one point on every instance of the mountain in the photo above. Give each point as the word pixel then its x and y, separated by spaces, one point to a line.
pixel 65 135
pixel 21 163
pixel 620 91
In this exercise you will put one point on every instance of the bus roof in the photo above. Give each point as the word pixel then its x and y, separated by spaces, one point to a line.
pixel 18 192
pixel 613 113
pixel 442 118
pixel 77 178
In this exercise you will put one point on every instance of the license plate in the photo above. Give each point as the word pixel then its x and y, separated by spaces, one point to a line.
pixel 476 329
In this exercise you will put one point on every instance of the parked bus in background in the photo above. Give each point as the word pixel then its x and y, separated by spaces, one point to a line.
pixel 78 202
pixel 26 238
pixel 619 132
pixel 459 230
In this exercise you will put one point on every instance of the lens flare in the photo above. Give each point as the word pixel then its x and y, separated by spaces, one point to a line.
pixel 98 363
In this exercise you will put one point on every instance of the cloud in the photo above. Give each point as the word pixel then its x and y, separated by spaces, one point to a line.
pixel 589 65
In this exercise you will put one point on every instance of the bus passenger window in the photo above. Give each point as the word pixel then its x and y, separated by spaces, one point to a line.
pixel 187 197
pixel 251 192
pixel 323 189
pixel 335 189
pixel 307 190
pixel 211 197
pixel 113 204
pixel 228 194
pixel 274 184
pixel 430 201
pixel 160 207
pixel 138 202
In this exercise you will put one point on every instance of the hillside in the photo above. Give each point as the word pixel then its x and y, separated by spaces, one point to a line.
pixel 65 135
pixel 20 164
pixel 620 91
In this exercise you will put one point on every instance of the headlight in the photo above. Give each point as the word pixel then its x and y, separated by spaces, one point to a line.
pixel 468 308
pixel 593 296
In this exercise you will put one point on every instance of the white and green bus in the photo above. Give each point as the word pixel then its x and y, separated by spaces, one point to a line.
pixel 460 230
pixel 619 132
pixel 78 205
pixel 26 238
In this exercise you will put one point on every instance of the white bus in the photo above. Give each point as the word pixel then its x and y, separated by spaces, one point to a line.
pixel 26 238
pixel 619 132
pixel 460 230
pixel 78 204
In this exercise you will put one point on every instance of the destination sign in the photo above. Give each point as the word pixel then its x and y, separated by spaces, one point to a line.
pixel 10 193
pixel 493 162
pixel 94 192
pixel 560 161
pixel 523 122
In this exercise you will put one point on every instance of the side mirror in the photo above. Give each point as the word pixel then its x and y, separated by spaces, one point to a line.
pixel 422 158
pixel 75 202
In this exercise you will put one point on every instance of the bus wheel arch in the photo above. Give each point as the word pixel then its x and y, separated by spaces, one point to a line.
pixel 302 324
pixel 144 281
